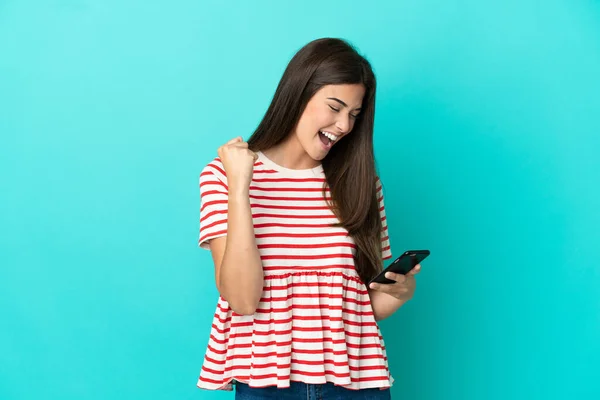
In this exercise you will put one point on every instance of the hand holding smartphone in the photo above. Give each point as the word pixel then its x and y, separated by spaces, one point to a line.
pixel 402 265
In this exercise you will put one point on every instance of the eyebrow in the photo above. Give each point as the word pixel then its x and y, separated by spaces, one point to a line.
pixel 342 103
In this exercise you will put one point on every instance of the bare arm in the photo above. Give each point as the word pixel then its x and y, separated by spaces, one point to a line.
pixel 383 304
pixel 238 268
pixel 386 299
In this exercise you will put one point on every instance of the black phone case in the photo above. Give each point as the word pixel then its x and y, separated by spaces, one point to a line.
pixel 402 265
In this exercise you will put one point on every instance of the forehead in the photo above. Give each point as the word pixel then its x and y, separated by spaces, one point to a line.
pixel 351 94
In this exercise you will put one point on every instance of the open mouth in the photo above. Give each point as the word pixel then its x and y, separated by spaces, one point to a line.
pixel 327 138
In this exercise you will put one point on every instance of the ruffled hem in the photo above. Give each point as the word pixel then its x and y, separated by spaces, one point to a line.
pixel 310 326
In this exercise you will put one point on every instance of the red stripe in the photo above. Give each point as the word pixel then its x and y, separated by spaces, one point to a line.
pixel 214 203
pixel 295 268
pixel 213 350
pixel 209 226
pixel 282 366
pixel 290 332
pixel 314 307
pixel 213 192
pixel 223 210
pixel 292 296
pixel 290 180
pixel 306 373
pixel 305 257
pixel 210 370
pixel 203 238
pixel 268 376
pixel 325 352
pixel 276 321
pixel 213 213
pixel 301 235
pixel 212 225
pixel 281 225
pixel 336 364
pixel 371 378
pixel 218 168
pixel 308 307
pixel 263 171
pixel 254 344
pixel 288 235
pixel 316 274
pixel 304 246
pixel 288 207
pixel 299 363
pixel 287 189
pixel 208 380
pixel 226 330
pixel 292 216
pixel 360 292
pixel 213 181
pixel 296 340
pixel 279 198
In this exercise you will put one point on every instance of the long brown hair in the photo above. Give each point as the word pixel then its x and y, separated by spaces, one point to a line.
pixel 350 165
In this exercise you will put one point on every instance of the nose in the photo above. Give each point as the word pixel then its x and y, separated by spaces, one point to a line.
pixel 343 124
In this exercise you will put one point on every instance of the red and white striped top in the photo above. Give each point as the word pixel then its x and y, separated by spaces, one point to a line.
pixel 314 322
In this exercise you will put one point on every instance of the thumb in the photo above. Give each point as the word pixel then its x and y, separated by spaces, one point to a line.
pixel 237 139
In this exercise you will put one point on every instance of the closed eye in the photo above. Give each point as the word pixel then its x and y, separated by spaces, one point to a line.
pixel 338 110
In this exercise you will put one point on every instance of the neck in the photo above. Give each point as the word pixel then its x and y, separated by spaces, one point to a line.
pixel 290 154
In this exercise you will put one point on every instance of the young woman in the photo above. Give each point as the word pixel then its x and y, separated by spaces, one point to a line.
pixel 296 225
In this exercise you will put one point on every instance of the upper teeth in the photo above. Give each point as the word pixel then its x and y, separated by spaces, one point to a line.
pixel 330 136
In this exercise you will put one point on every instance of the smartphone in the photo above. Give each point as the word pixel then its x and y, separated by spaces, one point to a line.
pixel 402 265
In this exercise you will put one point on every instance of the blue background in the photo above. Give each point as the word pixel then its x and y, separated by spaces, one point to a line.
pixel 487 138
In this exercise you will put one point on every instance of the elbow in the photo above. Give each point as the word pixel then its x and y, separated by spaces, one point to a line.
pixel 245 307
pixel 242 299
pixel 244 310
pixel 378 317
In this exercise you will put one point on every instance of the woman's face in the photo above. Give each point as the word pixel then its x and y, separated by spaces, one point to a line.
pixel 329 116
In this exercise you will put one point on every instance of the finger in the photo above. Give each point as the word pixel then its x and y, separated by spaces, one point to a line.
pixel 254 155
pixel 241 145
pixel 235 140
pixel 415 270
pixel 383 287
pixel 393 289
pixel 395 277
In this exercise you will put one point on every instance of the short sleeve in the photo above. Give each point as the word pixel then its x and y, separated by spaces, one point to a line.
pixel 213 203
pixel 386 250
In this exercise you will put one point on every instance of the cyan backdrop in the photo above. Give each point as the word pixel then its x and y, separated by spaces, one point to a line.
pixel 487 137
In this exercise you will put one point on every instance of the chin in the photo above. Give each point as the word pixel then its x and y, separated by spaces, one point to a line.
pixel 320 157
pixel 315 150
pixel 317 155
